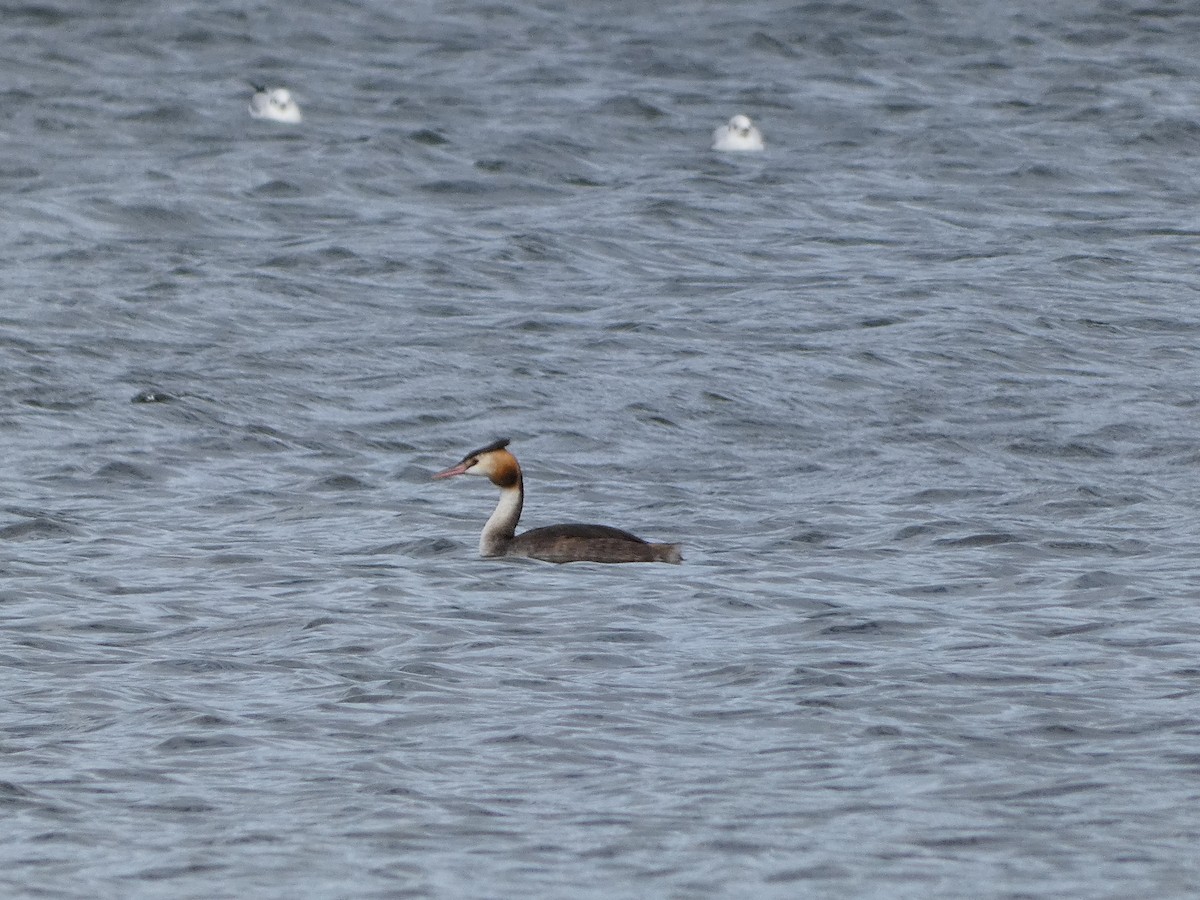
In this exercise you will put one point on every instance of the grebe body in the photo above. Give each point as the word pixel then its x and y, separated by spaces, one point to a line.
pixel 571 542
pixel 738 134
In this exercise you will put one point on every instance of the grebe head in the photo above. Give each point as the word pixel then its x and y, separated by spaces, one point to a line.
pixel 494 461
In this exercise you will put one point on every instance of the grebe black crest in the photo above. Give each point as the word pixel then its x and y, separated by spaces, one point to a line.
pixel 570 542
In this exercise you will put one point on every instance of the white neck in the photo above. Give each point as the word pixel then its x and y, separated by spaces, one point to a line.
pixel 502 524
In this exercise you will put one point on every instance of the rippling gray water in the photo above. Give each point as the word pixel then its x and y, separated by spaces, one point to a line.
pixel 916 387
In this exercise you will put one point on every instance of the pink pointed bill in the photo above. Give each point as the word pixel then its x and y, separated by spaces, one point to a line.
pixel 460 469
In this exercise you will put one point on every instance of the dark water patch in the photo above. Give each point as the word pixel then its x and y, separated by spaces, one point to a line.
pixel 234 559
pixel 199 666
pixel 342 482
pixel 625 636
pixel 38 14
pixel 856 628
pixel 1099 579
pixel 807 538
pixel 152 219
pixel 766 43
pixel 124 471
pixel 1059 450
pixel 113 626
pixel 983 539
pixel 423 548
pixel 163 114
pixel 58 404
pixel 1085 628
pixel 195 743
pixel 960 841
pixel 604 660
pixel 1179 133
pixel 903 107
pixel 38 528
pixel 820 872
pixel 515 189
pixel 941 495
pixel 629 106
pixel 1088 548
pixel 429 137
pixel 278 188
pixel 183 870
pixel 11 794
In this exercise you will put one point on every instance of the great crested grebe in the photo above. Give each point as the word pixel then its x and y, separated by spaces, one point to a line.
pixel 554 543
pixel 739 134
pixel 276 104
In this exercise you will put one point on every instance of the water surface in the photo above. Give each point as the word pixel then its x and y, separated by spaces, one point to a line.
pixel 916 387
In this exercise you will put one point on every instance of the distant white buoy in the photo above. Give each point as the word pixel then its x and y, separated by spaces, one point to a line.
pixel 276 104
pixel 739 134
